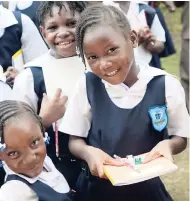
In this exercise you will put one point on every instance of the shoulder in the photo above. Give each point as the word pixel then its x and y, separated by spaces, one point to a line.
pixel 174 89
pixel 19 192
pixel 25 75
pixel 25 19
pixel 39 61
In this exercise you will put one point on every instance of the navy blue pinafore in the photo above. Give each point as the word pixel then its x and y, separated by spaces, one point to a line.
pixel 43 191
pixel 122 132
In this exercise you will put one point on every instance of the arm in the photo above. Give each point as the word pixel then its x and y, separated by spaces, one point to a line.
pixel 154 46
pixel 177 144
pixel 33 45
pixel 78 147
pixel 178 122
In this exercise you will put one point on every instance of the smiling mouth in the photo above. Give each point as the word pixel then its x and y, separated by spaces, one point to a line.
pixel 113 73
pixel 65 44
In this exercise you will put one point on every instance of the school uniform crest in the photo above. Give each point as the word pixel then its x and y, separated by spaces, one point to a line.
pixel 159 117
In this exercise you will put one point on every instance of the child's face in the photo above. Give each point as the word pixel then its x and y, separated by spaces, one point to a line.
pixel 59 31
pixel 109 53
pixel 25 149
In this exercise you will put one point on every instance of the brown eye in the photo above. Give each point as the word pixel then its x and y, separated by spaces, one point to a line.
pixel 52 28
pixel 112 49
pixel 92 57
pixel 35 142
pixel 13 154
pixel 71 23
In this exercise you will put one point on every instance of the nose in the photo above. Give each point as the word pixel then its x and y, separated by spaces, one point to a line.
pixel 105 64
pixel 29 159
pixel 63 32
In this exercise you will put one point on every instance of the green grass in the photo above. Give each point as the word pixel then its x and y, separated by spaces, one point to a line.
pixel 176 183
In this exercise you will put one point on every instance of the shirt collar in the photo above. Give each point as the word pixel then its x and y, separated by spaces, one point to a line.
pixel 144 76
pixel 7 18
pixel 47 166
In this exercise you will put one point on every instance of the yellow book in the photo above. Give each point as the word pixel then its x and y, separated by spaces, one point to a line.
pixel 126 175
pixel 17 60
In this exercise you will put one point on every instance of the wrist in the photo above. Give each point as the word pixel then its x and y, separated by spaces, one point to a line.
pixel 87 152
pixel 45 121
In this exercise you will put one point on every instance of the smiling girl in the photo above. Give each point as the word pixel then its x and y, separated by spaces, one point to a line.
pixel 121 107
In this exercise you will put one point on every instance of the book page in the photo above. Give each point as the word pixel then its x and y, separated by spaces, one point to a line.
pixel 125 175
pixel 62 73
pixel 18 61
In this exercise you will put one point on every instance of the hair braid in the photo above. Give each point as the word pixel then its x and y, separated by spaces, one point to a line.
pixel 10 109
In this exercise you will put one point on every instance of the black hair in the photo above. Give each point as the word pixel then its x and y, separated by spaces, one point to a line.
pixel 97 15
pixel 45 8
pixel 11 109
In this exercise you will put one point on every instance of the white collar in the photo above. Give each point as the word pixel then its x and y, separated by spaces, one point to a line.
pixel 7 18
pixel 47 165
pixel 22 5
pixel 146 74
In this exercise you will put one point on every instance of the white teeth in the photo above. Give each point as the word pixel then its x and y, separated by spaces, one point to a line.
pixel 65 43
pixel 112 73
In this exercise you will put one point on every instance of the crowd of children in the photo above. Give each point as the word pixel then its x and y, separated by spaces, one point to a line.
pixel 120 105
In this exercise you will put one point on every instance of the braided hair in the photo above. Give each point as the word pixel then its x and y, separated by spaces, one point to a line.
pixel 45 8
pixel 10 109
pixel 97 15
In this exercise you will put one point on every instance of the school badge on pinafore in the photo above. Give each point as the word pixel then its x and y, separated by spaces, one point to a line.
pixel 159 117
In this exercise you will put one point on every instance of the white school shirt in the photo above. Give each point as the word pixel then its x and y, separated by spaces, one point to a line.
pixel 19 191
pixel 32 43
pixel 137 22
pixel 5 90
pixel 77 119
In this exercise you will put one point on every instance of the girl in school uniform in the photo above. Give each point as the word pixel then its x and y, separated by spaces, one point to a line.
pixel 18 32
pixel 30 173
pixel 58 21
pixel 121 107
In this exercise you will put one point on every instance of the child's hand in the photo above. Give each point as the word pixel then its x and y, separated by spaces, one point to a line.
pixel 54 109
pixel 143 34
pixel 97 158
pixel 11 73
pixel 163 148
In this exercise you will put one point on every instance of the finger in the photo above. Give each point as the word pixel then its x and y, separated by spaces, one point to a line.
pixel 112 161
pixel 100 170
pixel 64 99
pixel 10 68
pixel 167 155
pixel 10 78
pixel 58 94
pixel 45 97
pixel 151 156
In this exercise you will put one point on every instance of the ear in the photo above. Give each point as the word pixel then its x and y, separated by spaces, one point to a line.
pixel 134 38
pixel 42 30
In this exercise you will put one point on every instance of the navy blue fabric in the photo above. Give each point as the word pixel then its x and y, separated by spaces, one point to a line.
pixel 122 132
pixel 66 163
pixel 43 191
pixel 31 12
pixel 149 12
pixel 10 42
pixel 169 48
